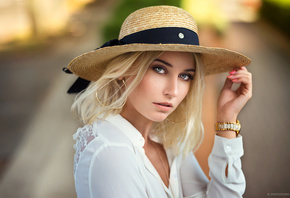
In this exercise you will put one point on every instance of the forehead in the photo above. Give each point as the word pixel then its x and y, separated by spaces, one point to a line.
pixel 182 60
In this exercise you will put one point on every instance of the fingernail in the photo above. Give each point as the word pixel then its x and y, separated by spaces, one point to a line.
pixel 232 72
pixel 230 76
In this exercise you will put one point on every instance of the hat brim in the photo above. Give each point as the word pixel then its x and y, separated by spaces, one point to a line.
pixel 91 65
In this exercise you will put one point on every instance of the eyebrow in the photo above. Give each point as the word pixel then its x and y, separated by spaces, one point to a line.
pixel 190 70
pixel 168 64
pixel 164 62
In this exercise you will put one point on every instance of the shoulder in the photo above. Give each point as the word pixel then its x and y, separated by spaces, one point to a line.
pixel 113 159
pixel 110 144
pixel 106 169
pixel 97 138
pixel 102 132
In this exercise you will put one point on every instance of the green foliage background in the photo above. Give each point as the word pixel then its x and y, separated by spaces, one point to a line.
pixel 278 13
pixel 112 27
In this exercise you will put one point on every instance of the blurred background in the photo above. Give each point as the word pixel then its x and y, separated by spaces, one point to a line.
pixel 38 38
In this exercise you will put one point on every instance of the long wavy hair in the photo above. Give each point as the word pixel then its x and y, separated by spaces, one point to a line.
pixel 182 130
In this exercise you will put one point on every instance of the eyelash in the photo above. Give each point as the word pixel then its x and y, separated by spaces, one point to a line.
pixel 156 68
pixel 190 77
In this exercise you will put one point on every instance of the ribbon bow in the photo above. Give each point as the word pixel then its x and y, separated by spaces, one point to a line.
pixel 81 84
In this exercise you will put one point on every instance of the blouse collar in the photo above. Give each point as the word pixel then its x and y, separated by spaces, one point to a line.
pixel 127 128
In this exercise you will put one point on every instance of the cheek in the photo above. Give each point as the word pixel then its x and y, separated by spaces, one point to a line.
pixel 184 91
pixel 145 89
pixel 149 84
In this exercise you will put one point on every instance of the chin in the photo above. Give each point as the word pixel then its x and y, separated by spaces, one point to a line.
pixel 159 118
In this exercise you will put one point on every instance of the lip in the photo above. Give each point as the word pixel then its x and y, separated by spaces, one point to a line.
pixel 163 106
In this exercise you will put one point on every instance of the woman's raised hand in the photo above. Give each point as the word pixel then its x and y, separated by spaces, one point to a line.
pixel 230 101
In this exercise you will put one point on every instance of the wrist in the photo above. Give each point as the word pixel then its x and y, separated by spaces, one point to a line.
pixel 226 118
pixel 227 134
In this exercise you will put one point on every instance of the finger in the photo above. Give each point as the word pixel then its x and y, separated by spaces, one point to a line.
pixel 243 69
pixel 237 71
pixel 246 79
pixel 246 84
pixel 228 84
pixel 240 69
pixel 239 76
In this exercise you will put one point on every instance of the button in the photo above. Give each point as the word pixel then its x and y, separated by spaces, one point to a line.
pixel 228 148
pixel 181 35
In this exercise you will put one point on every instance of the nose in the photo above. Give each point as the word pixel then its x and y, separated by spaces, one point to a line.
pixel 171 90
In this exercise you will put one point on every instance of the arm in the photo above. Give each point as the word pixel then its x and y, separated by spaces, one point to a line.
pixel 227 178
pixel 231 101
pixel 225 153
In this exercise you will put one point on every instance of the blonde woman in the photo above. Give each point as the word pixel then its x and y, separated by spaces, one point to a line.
pixel 142 112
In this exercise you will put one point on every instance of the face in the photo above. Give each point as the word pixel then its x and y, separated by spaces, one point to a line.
pixel 164 86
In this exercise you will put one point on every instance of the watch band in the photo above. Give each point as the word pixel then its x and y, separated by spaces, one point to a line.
pixel 228 126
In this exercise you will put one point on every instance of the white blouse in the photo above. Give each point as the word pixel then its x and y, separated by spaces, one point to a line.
pixel 110 162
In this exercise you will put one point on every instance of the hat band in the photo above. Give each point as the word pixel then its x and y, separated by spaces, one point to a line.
pixel 165 35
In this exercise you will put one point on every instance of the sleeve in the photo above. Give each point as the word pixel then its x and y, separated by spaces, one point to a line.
pixel 226 153
pixel 193 180
pixel 114 173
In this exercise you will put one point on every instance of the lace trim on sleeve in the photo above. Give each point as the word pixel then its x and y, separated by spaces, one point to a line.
pixel 83 137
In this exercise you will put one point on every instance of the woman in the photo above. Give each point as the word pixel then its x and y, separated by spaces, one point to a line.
pixel 142 113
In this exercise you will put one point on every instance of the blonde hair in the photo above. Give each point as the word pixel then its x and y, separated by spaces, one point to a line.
pixel 182 130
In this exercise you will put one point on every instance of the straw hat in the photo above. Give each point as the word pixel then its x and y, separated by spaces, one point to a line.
pixel 156 28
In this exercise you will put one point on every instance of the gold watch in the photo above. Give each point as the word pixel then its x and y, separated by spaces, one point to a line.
pixel 228 126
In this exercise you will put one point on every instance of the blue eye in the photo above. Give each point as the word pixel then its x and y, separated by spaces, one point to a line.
pixel 186 77
pixel 159 70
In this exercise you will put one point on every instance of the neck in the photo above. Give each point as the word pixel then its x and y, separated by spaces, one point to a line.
pixel 143 125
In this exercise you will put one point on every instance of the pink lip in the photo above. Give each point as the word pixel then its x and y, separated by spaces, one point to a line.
pixel 163 106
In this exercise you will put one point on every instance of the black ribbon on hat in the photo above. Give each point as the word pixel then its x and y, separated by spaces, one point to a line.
pixel 165 35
